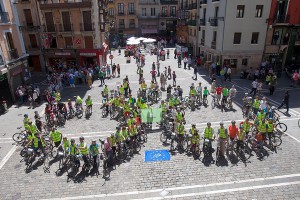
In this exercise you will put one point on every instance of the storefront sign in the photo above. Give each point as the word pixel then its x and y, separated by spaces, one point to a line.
pixel 88 54
pixel 62 53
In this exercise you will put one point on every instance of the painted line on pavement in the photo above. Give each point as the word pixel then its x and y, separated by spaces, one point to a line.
pixel 7 156
pixel 291 136
pixel 193 187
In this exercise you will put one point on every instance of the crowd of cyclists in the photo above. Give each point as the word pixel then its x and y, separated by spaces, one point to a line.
pixel 258 130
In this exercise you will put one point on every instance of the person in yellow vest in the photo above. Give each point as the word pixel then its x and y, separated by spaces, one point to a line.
pixel 270 129
pixel 105 92
pixel 262 128
pixel 133 132
pixel 247 125
pixel 83 148
pixel 122 90
pixel 209 134
pixel 26 121
pixel 56 137
pixel 74 151
pixel 57 96
pixel 180 133
pixel 256 104
pixel 143 105
pixel 89 103
pixel 66 144
pixel 240 137
pixel 268 79
pixel 223 138
pixel 260 115
pixel 38 142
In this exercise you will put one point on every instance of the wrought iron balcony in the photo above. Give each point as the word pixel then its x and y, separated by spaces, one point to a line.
pixel 56 4
pixel 131 12
pixel 213 21
pixel 121 13
pixel 147 2
pixel 282 19
pixel 166 15
pixel 4 17
pixel 131 25
pixel 169 2
pixel 29 28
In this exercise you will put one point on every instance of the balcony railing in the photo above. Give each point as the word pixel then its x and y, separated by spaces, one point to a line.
pixel 131 12
pixel 213 45
pixel 56 4
pixel 29 28
pixel 213 21
pixel 13 53
pixel 63 28
pixel 121 26
pixel 202 22
pixel 4 17
pixel 191 23
pixel 147 2
pixel 169 2
pixel 282 19
pixel 162 15
pixel 203 2
pixel 202 41
pixel 131 25
pixel 86 27
pixel 110 1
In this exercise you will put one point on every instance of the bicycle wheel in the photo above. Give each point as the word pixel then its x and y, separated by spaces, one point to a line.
pixel 106 173
pixel 61 162
pixel 206 102
pixel 137 147
pixel 248 152
pixel 163 137
pixel 184 145
pixel 172 146
pixel 23 153
pixel 104 112
pixel 276 141
pixel 17 137
pixel 281 126
pixel 260 153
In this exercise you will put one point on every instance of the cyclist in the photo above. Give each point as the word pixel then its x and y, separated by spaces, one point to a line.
pixel 105 92
pixel 108 150
pixel 119 136
pixel 262 128
pixel 199 90
pixel 225 92
pixel 240 137
pixel 209 134
pixel 270 129
pixel 94 151
pixel 38 142
pixel 247 125
pixel 57 96
pixel 193 130
pixel 272 114
pixel 260 115
pixel 26 121
pixel 256 104
pixel 223 138
pixel 32 128
pixel 143 86
pixel 232 94
pixel 163 107
pixel 66 144
pixel 233 131
pixel 180 133
pixel 133 132
pixel 195 140
pixel 83 149
pixel 70 106
pixel 78 102
pixel 73 150
pixel 56 137
pixel 192 90
pixel 219 93
pixel 89 103
pixel 131 100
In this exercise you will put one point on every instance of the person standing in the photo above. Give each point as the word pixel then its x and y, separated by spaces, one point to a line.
pixel 295 78
pixel 163 82
pixel 175 53
pixel 153 75
pixel 195 72
pixel 169 73
pixel 272 84
pixel 101 77
pixel 190 62
pixel 179 61
pixel 174 79
pixel 185 61
pixel 118 70
pixel 254 87
pixel 158 67
pixel 228 74
pixel 285 101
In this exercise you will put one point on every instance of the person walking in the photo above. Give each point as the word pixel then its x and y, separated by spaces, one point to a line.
pixel 185 61
pixel 175 53
pixel 101 77
pixel 153 74
pixel 285 101
pixel 158 67
pixel 169 73
pixel 295 78
pixel 254 87
pixel 228 74
pixel 272 84
pixel 179 61
pixel 190 61
pixel 118 70
pixel 195 73
pixel 174 79
pixel 163 82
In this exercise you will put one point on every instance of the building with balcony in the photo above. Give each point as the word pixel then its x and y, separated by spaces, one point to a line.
pixel 232 32
pixel 14 69
pixel 168 16
pixel 148 16
pixel 71 32
pixel 283 36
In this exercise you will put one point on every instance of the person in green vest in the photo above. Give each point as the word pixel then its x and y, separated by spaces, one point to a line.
pixel 57 96
pixel 225 92
pixel 83 148
pixel 240 138
pixel 223 137
pixel 256 104
pixel 74 151
pixel 121 90
pixel 260 115
pixel 78 102
pixel 56 137
pixel 247 125
pixel 38 142
pixel 163 107
pixel 101 77
pixel 270 129
pixel 192 90
pixel 262 128
pixel 66 144
pixel 209 134
pixel 268 79
pixel 89 103
pixel 94 151
pixel 26 121
pixel 180 133
pixel 119 136
pixel 105 92
pixel 131 100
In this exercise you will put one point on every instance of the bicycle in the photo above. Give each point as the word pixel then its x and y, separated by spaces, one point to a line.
pixel 204 100
pixel 20 137
pixel 88 111
pixel 214 101
pixel 280 125
pixel 181 143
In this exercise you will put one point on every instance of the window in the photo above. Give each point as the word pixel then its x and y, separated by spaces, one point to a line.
pixel 131 8
pixel 49 22
pixel 121 21
pixel 131 21
pixel 144 12
pixel 87 20
pixel 120 8
pixel 53 43
pixel 28 17
pixel 66 21
pixel 173 11
pixel 164 11
pixel 240 11
pixel 88 42
pixel 245 61
pixel 215 36
pixel 152 11
pixel 237 38
pixel 216 12
pixel 203 35
pixel 111 12
pixel 259 10
pixel 204 13
pixel 33 41
pixel 69 42
pixel 254 39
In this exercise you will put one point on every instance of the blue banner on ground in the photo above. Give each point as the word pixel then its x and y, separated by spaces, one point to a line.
pixel 157 155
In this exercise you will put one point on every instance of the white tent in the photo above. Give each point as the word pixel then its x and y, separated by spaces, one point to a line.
pixel 141 38
pixel 149 40
pixel 131 38
pixel 132 42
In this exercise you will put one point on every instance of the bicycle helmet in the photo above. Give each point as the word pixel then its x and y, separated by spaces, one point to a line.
pixel 233 122
pixel 221 123
pixel 81 138
pixel 208 123
pixel 26 115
